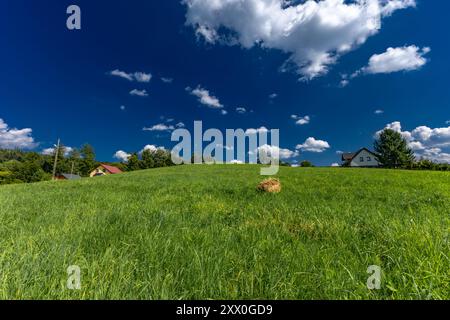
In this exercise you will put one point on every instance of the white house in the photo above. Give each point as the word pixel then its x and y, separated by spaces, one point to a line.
pixel 362 158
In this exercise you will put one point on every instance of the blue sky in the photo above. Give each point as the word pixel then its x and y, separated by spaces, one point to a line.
pixel 57 83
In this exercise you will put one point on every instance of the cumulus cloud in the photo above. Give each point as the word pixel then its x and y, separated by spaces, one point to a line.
pixel 274 152
pixel 314 32
pixel 205 97
pixel 122 156
pixel 151 148
pixel 136 76
pixel 241 110
pixel 379 111
pixel 139 93
pixel 392 60
pixel 313 145
pixel 397 59
pixel 11 138
pixel 255 131
pixel 159 127
pixel 301 120
pixel 428 143
pixel 51 151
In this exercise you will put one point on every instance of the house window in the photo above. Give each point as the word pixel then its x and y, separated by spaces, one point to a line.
pixel 369 159
pixel 361 159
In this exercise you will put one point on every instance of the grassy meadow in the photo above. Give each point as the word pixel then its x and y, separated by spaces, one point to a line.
pixel 204 232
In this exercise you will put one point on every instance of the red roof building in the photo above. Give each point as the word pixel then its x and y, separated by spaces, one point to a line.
pixel 104 170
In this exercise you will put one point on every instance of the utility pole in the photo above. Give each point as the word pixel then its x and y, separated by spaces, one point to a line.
pixel 56 160
pixel 73 165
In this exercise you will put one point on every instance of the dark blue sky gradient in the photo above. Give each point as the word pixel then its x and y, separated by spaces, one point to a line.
pixel 54 80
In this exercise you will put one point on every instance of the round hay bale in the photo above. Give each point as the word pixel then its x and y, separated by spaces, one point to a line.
pixel 270 185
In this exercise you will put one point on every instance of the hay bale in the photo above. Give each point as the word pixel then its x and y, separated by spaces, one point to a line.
pixel 270 185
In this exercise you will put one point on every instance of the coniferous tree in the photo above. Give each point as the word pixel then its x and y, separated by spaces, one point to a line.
pixel 392 150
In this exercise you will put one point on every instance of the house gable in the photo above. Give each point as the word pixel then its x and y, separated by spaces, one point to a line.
pixel 364 158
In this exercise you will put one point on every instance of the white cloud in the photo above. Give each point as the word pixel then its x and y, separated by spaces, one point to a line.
pixel 142 77
pixel 428 143
pixel 313 145
pixel 273 96
pixel 159 127
pixel 241 110
pixel 51 151
pixel 139 93
pixel 335 165
pixel 136 76
pixel 205 98
pixel 122 156
pixel 151 147
pixel 394 5
pixel 314 33
pixel 180 125
pixel 166 80
pixel 210 35
pixel 301 120
pixel 122 74
pixel 379 111
pixel 255 131
pixel 344 83
pixel 437 155
pixel 11 138
pixel 397 59
pixel 122 108
pixel 274 152
pixel 224 112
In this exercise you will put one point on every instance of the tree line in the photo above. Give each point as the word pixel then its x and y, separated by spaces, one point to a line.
pixel 18 166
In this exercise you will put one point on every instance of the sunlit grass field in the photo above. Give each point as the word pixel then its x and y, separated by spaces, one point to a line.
pixel 204 232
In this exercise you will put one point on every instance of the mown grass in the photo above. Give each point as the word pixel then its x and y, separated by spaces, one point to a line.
pixel 204 232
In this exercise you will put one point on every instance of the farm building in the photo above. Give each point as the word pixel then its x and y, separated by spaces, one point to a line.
pixel 67 176
pixel 104 170
pixel 363 158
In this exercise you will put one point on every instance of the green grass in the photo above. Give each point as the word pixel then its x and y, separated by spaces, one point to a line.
pixel 201 232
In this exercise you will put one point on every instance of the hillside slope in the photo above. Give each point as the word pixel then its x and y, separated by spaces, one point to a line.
pixel 196 232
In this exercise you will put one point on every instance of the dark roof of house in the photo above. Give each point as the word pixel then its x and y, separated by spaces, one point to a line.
pixel 347 156
pixel 69 176
pixel 111 169
pixel 350 156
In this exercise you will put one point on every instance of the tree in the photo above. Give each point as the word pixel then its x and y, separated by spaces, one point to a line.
pixel 88 162
pixel 134 163
pixel 28 172
pixel 148 161
pixel 306 164
pixel 74 161
pixel 392 150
